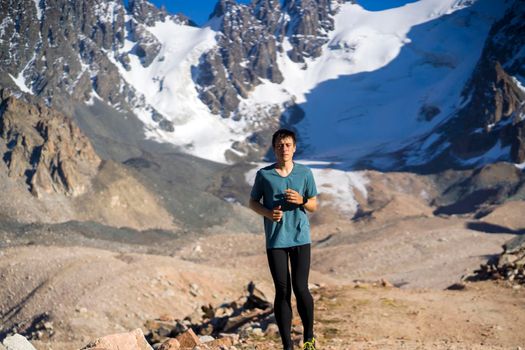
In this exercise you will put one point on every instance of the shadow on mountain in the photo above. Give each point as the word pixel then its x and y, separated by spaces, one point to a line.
pixel 468 204
pixel 367 120
pixel 492 228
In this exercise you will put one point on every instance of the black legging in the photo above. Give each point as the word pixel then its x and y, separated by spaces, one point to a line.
pixel 300 262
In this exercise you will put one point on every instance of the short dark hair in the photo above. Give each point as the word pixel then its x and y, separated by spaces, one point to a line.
pixel 282 133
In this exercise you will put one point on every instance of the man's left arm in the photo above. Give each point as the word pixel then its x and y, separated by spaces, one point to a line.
pixel 311 204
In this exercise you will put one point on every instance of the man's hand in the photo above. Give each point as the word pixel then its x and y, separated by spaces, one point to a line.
pixel 277 214
pixel 293 197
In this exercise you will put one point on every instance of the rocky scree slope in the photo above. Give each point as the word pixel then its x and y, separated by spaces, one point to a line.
pixel 52 173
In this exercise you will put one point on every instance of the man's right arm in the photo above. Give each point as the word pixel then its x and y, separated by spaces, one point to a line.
pixel 257 207
pixel 275 215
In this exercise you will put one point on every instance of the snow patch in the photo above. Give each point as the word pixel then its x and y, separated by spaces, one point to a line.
pixel 20 79
pixel 92 97
pixel 520 165
pixel 38 9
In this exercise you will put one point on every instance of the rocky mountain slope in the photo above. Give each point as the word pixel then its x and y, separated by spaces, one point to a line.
pixel 217 91
pixel 489 124
pixel 52 174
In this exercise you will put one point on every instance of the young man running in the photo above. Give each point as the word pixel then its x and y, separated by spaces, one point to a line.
pixel 287 190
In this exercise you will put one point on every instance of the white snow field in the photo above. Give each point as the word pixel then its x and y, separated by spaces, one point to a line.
pixel 363 96
pixel 380 68
pixel 167 85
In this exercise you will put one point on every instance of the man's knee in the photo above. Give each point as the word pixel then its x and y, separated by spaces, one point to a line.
pixel 282 289
pixel 301 290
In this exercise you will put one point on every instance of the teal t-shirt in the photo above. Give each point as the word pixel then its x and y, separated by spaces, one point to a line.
pixel 294 228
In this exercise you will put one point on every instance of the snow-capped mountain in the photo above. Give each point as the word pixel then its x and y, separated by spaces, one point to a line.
pixel 407 86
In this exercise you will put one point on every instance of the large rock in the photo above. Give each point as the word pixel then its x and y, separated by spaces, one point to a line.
pixel 188 339
pixel 147 46
pixel 133 340
pixel 17 342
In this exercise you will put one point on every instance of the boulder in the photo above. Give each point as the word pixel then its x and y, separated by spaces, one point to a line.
pixel 133 340
pixel 17 342
pixel 188 339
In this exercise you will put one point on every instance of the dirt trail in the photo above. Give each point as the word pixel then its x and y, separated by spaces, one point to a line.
pixel 485 315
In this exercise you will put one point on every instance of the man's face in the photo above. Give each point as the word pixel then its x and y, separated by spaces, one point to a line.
pixel 284 149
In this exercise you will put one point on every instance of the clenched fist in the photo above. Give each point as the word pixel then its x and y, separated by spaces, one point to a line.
pixel 294 197
pixel 277 214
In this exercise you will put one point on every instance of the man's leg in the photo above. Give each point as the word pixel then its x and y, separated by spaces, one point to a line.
pixel 300 261
pixel 278 262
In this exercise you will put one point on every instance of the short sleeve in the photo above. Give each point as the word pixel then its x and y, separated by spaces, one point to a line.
pixel 310 188
pixel 257 189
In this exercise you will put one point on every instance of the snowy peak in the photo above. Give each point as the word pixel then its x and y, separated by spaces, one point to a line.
pixel 145 12
pixel 383 88
pixel 252 36
pixel 224 7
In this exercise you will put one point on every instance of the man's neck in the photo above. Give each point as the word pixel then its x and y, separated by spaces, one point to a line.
pixel 285 166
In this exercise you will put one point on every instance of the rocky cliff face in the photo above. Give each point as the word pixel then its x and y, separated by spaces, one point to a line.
pixel 496 99
pixel 493 114
pixel 65 52
pixel 309 23
pixel 250 39
pixel 56 48
pixel 45 149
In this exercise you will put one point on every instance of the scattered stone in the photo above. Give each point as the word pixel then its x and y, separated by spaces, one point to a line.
pixel 297 330
pixel 250 315
pixel 272 330
pixel 170 344
pixel 221 342
pixel 188 339
pixel 17 342
pixel 195 290
pixel 206 338
pixel 159 330
pixel 361 285
pixel 166 318
pixel 510 265
pixel 133 340
pixel 209 311
pixel 81 310
pixel 258 332
pixel 233 336
pixel 457 286
pixel 386 284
